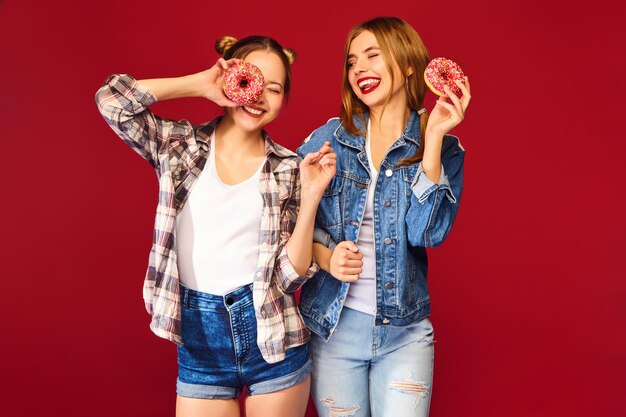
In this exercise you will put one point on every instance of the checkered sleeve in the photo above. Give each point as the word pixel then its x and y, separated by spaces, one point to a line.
pixel 288 278
pixel 124 105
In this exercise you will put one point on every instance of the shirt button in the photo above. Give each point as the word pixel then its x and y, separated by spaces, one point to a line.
pixel 258 274
pixel 387 240
pixel 389 173
pixel 385 320
pixel 389 285
pixel 387 203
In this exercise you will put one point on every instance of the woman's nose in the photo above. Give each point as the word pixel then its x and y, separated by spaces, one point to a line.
pixel 360 67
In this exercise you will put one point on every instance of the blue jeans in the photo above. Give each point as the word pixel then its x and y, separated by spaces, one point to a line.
pixel 366 370
pixel 220 355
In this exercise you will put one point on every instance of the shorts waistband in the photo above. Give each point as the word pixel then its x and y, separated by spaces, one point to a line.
pixel 241 297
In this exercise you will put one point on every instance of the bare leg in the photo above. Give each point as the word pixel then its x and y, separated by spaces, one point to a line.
pixel 290 402
pixel 197 407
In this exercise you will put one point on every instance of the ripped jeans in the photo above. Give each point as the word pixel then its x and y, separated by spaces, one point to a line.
pixel 366 370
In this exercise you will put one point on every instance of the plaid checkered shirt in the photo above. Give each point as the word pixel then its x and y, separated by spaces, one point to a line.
pixel 178 152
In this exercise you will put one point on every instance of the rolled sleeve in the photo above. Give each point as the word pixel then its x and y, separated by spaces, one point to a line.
pixel 289 279
pixel 321 236
pixel 423 187
pixel 124 103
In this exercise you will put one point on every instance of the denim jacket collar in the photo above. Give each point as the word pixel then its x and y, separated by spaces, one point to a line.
pixel 411 132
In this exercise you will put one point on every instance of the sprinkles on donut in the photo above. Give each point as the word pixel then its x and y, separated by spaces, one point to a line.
pixel 442 72
pixel 243 83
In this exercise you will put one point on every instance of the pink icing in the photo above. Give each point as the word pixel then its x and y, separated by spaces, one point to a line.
pixel 442 72
pixel 243 83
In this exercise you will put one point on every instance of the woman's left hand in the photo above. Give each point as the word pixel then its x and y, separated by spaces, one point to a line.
pixel 445 115
pixel 316 171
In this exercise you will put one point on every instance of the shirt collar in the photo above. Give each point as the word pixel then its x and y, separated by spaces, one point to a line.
pixel 272 147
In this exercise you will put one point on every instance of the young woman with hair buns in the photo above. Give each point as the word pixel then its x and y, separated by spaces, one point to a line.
pixel 397 189
pixel 227 250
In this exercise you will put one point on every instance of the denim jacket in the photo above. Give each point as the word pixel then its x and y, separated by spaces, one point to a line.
pixel 410 213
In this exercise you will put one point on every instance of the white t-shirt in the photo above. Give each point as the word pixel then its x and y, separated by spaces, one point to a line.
pixel 362 293
pixel 217 232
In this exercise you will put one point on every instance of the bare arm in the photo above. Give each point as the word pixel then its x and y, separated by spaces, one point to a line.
pixel 322 255
pixel 316 169
pixel 207 84
pixel 443 118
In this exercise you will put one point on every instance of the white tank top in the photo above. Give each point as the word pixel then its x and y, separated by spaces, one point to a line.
pixel 217 232
pixel 362 293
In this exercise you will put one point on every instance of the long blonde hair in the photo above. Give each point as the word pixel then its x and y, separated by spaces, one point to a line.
pixel 401 44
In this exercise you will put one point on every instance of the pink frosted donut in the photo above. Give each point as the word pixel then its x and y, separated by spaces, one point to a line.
pixel 243 83
pixel 442 72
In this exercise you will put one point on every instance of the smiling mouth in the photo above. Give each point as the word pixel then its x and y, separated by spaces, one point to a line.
pixel 252 111
pixel 368 84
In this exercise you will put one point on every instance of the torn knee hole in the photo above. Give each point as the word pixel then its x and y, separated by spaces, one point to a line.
pixel 419 389
pixel 336 411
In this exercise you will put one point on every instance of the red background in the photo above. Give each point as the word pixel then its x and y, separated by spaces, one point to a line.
pixel 529 296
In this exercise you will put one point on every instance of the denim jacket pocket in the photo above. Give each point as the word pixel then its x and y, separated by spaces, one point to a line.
pixel 408 175
pixel 328 213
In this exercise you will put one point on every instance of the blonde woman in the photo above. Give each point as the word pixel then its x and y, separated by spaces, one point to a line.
pixel 396 191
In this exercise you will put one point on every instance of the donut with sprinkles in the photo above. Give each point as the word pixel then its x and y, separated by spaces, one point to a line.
pixel 442 72
pixel 243 83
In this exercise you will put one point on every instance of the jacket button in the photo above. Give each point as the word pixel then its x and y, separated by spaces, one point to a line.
pixel 387 203
pixel 387 240
pixel 389 285
pixel 389 173
pixel 385 320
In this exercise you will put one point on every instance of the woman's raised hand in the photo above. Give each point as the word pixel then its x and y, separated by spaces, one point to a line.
pixel 445 115
pixel 213 82
pixel 316 171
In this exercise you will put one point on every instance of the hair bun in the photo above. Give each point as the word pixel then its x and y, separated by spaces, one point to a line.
pixel 223 44
pixel 291 55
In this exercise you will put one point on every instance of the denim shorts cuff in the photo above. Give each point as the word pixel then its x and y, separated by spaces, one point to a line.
pixel 208 392
pixel 282 382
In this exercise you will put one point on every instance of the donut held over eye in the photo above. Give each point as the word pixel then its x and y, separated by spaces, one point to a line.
pixel 243 83
pixel 442 72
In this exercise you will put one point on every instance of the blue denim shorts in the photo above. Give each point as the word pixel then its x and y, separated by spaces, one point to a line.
pixel 220 356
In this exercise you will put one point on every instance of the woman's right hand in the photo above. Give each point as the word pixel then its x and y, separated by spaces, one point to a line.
pixel 208 84
pixel 213 82
pixel 346 263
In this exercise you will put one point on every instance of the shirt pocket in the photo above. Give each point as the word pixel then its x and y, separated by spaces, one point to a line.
pixel 408 175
